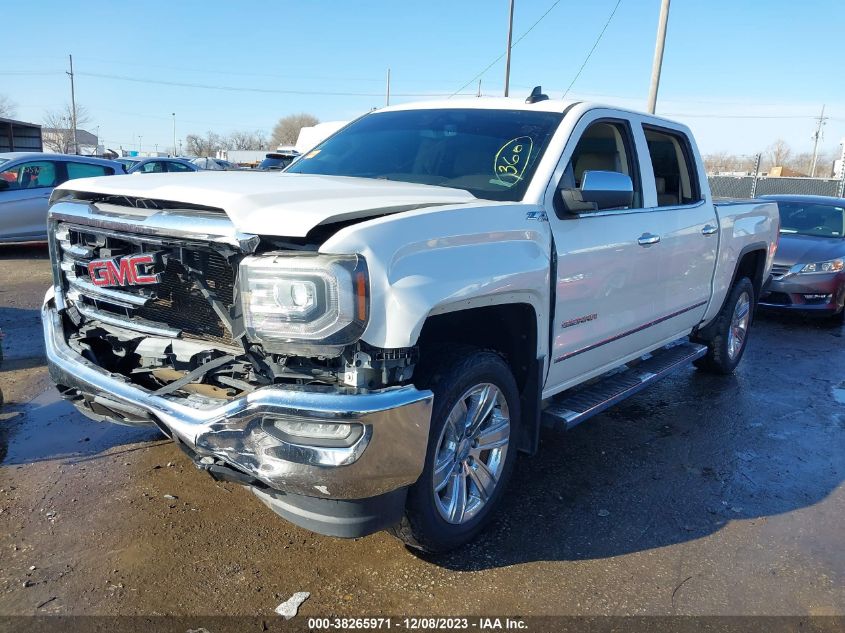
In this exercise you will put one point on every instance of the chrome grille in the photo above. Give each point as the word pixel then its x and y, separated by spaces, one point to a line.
pixel 193 298
pixel 779 270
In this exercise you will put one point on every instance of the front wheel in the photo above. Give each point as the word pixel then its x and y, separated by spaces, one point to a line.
pixel 470 453
pixel 728 335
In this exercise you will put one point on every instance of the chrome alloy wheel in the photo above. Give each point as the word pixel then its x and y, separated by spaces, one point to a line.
pixel 739 325
pixel 470 454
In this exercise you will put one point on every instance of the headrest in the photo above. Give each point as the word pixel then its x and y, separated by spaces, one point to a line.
pixel 660 183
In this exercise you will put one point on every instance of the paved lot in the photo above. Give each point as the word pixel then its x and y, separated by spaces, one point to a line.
pixel 701 496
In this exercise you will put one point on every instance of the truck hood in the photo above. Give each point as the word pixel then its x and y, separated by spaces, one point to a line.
pixel 806 249
pixel 278 204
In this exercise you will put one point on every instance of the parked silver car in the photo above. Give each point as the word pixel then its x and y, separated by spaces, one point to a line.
pixel 26 181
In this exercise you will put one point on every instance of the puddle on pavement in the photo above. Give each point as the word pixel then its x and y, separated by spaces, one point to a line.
pixel 50 428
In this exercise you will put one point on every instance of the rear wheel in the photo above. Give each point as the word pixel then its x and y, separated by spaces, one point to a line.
pixel 728 336
pixel 470 455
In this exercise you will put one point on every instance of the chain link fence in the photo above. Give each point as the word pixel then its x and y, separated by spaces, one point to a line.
pixel 744 186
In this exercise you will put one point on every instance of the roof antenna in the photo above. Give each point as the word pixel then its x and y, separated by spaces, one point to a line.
pixel 536 95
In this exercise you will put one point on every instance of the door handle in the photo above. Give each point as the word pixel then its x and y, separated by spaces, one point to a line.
pixel 647 239
pixel 709 229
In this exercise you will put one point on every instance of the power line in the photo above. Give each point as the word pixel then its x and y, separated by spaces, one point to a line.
pixel 592 50
pixel 518 40
pixel 32 72
pixel 180 84
pixel 742 116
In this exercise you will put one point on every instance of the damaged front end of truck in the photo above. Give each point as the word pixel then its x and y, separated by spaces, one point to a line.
pixel 246 349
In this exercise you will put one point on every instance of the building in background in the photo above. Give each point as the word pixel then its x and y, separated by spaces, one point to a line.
pixel 60 140
pixel 18 136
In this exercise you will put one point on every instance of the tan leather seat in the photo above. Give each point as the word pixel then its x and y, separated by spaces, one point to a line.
pixel 595 162
pixel 665 199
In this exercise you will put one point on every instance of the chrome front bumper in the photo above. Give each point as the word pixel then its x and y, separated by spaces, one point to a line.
pixel 387 456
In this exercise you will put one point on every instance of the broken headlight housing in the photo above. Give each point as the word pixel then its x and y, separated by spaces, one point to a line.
pixel 303 299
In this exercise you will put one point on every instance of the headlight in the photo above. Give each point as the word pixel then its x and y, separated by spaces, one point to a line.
pixel 300 298
pixel 832 266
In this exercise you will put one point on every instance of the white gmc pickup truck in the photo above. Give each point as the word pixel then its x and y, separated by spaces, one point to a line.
pixel 368 339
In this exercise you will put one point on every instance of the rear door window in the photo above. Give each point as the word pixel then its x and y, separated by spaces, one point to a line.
pixel 87 170
pixel 152 167
pixel 674 173
pixel 178 167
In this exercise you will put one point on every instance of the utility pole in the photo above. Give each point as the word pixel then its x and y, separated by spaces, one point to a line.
pixel 508 57
pixel 478 94
pixel 657 64
pixel 139 143
pixel 816 137
pixel 387 96
pixel 174 134
pixel 73 105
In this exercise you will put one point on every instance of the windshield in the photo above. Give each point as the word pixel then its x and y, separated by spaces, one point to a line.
pixel 818 220
pixel 490 153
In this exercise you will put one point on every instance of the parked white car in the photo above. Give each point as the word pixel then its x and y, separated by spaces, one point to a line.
pixel 368 339
pixel 26 181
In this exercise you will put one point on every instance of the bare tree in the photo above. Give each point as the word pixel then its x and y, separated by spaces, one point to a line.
pixel 287 129
pixel 717 162
pixel 207 145
pixel 721 162
pixel 246 140
pixel 58 127
pixel 824 163
pixel 8 108
pixel 778 153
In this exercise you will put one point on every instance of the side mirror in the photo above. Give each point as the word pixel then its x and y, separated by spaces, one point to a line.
pixel 4 185
pixel 599 190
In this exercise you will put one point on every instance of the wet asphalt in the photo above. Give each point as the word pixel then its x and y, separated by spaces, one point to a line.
pixel 703 495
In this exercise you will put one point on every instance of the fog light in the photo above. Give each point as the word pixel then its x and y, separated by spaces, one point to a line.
pixel 318 433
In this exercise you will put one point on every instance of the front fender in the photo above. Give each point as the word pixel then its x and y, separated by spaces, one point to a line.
pixel 446 259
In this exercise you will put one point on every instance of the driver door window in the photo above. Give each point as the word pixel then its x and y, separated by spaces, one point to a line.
pixel 604 146
pixel 32 175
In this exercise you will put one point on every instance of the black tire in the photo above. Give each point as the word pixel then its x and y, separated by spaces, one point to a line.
pixel 422 526
pixel 718 359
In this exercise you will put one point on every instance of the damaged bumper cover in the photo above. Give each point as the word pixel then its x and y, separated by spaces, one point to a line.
pixel 387 453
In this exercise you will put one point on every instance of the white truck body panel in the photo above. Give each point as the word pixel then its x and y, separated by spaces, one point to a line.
pixel 447 259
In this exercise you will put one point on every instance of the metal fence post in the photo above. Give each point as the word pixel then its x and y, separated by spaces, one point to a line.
pixel 756 176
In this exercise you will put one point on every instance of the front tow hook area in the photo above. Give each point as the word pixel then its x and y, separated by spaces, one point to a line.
pixel 218 469
pixel 343 518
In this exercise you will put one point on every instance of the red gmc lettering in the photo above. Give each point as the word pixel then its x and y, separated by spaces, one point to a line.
pixel 108 272
pixel 137 276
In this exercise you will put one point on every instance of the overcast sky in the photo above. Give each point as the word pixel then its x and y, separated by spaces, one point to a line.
pixel 741 73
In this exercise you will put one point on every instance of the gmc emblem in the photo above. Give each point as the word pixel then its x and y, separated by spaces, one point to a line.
pixel 127 271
